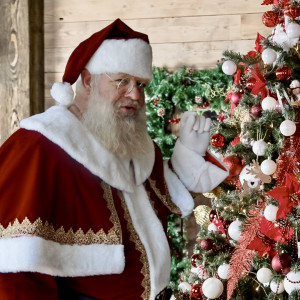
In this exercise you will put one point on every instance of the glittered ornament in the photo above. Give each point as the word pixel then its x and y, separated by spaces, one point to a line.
pixel 234 164
pixel 270 212
pixel 270 18
pixel 201 213
pixel 287 128
pixel 212 288
pixel 250 83
pixel 264 275
pixel 212 215
pixel 207 244
pixel 195 260
pixel 256 111
pixel 292 12
pixel 283 73
pixel 281 263
pixel 268 103
pixel 223 271
pixel 293 30
pixel 217 140
pixel 196 291
pixel 161 112
pixel 268 166
pixel 268 56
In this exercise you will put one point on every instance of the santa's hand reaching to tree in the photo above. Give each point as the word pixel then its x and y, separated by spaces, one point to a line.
pixel 194 132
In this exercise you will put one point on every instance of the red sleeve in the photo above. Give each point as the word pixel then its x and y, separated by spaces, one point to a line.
pixel 27 286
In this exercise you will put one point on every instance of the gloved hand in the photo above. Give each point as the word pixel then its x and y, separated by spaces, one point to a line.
pixel 194 132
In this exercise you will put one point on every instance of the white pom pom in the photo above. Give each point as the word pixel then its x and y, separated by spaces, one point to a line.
pixel 62 92
pixel 287 128
pixel 259 147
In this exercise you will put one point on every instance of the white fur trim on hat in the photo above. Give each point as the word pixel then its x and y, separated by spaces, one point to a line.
pixel 62 92
pixel 133 56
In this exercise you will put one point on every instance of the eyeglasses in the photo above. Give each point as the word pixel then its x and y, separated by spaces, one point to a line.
pixel 125 85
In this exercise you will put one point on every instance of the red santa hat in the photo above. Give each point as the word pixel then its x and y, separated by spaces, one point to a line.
pixel 115 49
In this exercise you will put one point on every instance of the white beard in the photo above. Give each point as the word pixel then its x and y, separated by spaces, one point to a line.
pixel 125 136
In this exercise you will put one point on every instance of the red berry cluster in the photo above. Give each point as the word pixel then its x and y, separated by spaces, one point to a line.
pixel 205 104
pixel 155 101
pixel 174 120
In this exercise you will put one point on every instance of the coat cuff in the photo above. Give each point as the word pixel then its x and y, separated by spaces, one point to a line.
pixel 197 174
pixel 35 254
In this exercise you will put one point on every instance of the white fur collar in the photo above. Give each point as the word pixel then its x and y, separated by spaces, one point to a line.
pixel 61 127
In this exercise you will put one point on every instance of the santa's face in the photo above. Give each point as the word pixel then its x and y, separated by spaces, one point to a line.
pixel 125 92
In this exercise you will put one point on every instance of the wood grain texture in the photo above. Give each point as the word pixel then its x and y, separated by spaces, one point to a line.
pixel 14 62
pixel 94 10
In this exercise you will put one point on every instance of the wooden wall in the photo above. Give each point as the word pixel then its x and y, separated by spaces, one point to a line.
pixel 182 32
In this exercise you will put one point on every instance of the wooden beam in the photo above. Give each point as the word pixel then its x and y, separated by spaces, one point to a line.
pixel 36 58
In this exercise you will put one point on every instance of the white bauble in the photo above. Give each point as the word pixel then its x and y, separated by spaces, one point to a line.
pixel 223 271
pixel 264 275
pixel 287 128
pixel 269 56
pixel 295 86
pixel 212 227
pixel 259 147
pixel 268 103
pixel 185 287
pixel 291 281
pixel 277 287
pixel 212 288
pixel 229 67
pixel 293 30
pixel 268 166
pixel 234 230
pixel 270 212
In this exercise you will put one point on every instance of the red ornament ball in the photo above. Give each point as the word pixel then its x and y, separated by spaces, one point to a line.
pixel 283 73
pixel 196 291
pixel 234 164
pixel 236 97
pixel 206 244
pixel 217 140
pixel 281 263
pixel 292 11
pixel 195 260
pixel 212 215
pixel 256 111
pixel 250 83
pixel 270 18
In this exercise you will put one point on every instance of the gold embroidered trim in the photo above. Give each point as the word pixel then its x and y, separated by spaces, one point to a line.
pixel 47 231
pixel 134 237
pixel 166 199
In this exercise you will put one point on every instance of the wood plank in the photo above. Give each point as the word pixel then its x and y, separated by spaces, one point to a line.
pixel 14 62
pixel 249 26
pixel 94 10
pixel 166 30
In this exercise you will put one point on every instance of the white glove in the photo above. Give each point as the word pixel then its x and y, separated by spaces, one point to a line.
pixel 194 132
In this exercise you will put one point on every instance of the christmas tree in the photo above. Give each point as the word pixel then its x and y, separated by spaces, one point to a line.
pixel 247 246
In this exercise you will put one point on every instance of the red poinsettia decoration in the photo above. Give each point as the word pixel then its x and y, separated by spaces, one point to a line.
pixel 287 195
pixel 260 83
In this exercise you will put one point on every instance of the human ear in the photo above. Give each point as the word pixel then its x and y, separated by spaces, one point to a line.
pixel 86 79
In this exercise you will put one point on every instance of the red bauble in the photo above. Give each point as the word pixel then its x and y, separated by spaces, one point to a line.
pixel 283 73
pixel 196 291
pixel 270 18
pixel 236 97
pixel 212 215
pixel 281 263
pixel 217 140
pixel 256 111
pixel 292 11
pixel 234 164
pixel 206 244
pixel 195 260
pixel 250 83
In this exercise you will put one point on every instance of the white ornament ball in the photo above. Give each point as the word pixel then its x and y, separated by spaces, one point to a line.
pixel 268 166
pixel 259 147
pixel 277 287
pixel 223 271
pixel 185 287
pixel 264 275
pixel 229 67
pixel 269 56
pixel 287 128
pixel 270 212
pixel 212 227
pixel 291 281
pixel 268 103
pixel 212 288
pixel 234 230
pixel 293 30
pixel 295 86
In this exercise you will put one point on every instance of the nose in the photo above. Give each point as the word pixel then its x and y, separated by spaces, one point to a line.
pixel 136 94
